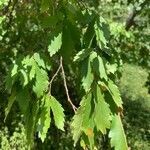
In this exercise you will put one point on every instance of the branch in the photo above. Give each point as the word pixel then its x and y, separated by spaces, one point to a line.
pixel 54 76
pixel 133 13
pixel 66 88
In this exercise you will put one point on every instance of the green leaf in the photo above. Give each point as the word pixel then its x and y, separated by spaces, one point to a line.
pixel 41 82
pixel 81 55
pixel 114 91
pixel 82 120
pixel 98 66
pixel 24 77
pixel 55 44
pixel 23 99
pixel 58 113
pixel 39 60
pixel 11 100
pixel 117 135
pixel 14 70
pixel 31 120
pixel 45 5
pixel 87 74
pixel 89 35
pixel 102 112
pixel 101 40
pixel 67 43
pixel 32 72
pixel 44 119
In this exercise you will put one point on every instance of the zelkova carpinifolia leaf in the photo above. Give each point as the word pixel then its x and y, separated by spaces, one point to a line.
pixel 117 135
pixel 58 113
pixel 102 113
pixel 44 119
pixel 55 44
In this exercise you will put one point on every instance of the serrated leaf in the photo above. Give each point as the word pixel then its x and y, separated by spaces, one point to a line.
pixel 89 34
pixel 102 112
pixel 41 82
pixel 114 91
pixel 58 113
pixel 99 68
pixel 39 60
pixel 102 42
pixel 82 120
pixel 55 44
pixel 82 55
pixel 88 76
pixel 117 135
pixel 111 68
pixel 44 119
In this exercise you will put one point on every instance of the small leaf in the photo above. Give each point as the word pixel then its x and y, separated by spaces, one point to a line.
pixel 55 44
pixel 117 135
pixel 99 68
pixel 87 74
pixel 14 70
pixel 24 77
pixel 41 82
pixel 82 55
pixel 39 60
pixel 58 113
pixel 114 91
pixel 101 40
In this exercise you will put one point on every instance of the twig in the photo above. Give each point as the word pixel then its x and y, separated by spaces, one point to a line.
pixel 54 76
pixel 66 88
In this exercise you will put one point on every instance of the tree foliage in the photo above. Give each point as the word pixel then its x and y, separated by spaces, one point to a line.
pixel 42 39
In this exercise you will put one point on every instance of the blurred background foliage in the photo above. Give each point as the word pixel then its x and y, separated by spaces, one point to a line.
pixel 132 42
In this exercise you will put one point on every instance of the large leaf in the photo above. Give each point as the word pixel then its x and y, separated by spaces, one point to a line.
pixel 55 44
pixel 117 135
pixel 58 112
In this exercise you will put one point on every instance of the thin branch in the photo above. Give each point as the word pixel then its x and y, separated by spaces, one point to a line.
pixel 66 88
pixel 54 76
